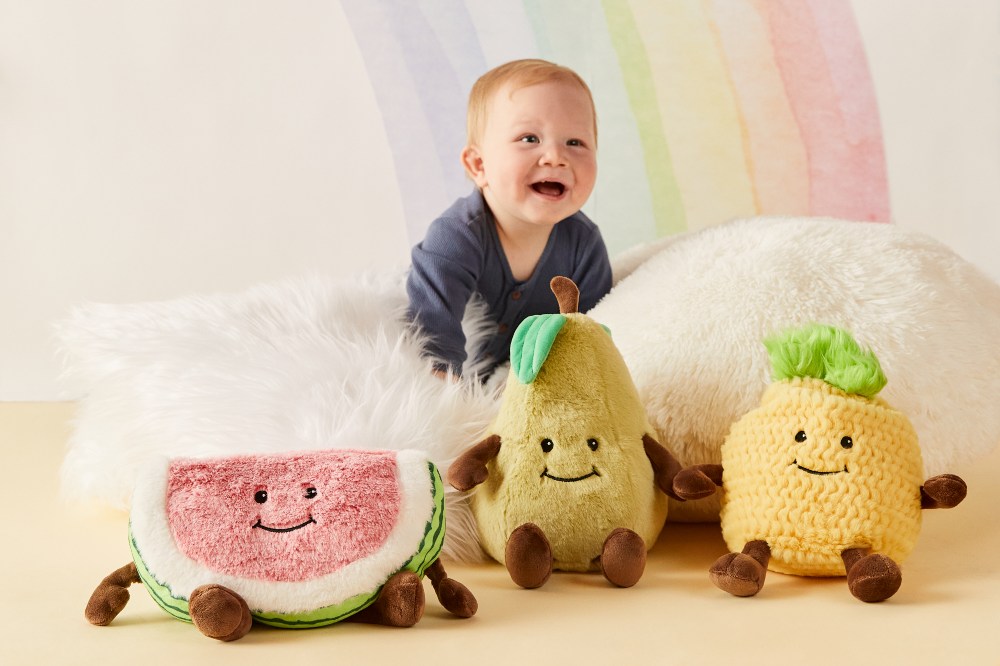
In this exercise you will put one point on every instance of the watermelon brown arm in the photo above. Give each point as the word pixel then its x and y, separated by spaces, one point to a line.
pixel 942 492
pixel 677 482
pixel 469 470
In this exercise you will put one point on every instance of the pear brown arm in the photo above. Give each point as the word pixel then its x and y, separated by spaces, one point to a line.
pixel 677 482
pixel 469 469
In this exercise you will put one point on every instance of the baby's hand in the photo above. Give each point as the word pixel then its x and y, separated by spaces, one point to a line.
pixel 444 375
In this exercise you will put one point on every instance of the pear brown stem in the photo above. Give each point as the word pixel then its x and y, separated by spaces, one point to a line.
pixel 567 294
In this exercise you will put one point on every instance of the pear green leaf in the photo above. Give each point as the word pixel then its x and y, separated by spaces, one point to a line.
pixel 532 342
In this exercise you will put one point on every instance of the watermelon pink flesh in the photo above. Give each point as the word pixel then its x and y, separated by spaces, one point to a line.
pixel 216 518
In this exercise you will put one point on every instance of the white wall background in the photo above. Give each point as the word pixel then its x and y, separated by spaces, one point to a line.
pixel 154 149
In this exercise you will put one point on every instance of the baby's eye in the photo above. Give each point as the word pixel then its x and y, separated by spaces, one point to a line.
pixel 574 142
pixel 529 138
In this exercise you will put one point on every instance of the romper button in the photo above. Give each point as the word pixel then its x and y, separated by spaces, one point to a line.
pixel 516 295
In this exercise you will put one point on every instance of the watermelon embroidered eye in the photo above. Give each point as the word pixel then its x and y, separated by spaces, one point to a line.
pixel 547 445
pixel 311 492
pixel 592 443
pixel 260 496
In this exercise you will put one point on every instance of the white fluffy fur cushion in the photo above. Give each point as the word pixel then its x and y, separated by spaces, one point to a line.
pixel 303 364
pixel 317 363
pixel 691 313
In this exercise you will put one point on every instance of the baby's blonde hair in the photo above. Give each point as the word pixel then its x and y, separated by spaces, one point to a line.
pixel 520 74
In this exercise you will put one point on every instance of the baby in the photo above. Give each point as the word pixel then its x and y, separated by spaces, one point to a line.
pixel 531 151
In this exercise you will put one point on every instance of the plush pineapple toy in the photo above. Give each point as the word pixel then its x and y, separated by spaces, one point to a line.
pixel 571 477
pixel 823 478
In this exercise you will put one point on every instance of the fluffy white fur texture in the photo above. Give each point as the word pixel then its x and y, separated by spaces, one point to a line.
pixel 316 363
pixel 691 311
pixel 151 529
pixel 303 364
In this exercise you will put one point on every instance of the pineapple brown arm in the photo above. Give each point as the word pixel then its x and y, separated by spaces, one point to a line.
pixel 942 492
pixel 469 469
pixel 677 482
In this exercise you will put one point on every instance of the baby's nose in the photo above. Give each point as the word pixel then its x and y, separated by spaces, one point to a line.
pixel 554 155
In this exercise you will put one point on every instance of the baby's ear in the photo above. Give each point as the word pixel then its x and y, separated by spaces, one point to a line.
pixel 472 160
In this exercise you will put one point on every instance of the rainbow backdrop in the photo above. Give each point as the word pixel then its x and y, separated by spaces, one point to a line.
pixel 708 109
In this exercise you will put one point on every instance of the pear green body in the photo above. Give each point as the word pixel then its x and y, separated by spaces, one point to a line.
pixel 575 493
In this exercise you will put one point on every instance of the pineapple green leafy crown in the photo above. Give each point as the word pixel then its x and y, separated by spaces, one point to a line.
pixel 826 353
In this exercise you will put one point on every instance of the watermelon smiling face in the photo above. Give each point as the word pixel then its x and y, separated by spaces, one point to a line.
pixel 306 538
pixel 303 517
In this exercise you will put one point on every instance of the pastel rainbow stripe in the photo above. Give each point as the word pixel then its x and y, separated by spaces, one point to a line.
pixel 709 109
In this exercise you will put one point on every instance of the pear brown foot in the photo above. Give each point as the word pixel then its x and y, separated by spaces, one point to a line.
pixel 455 597
pixel 528 556
pixel 871 577
pixel 111 596
pixel 219 613
pixel 400 602
pixel 623 557
pixel 742 574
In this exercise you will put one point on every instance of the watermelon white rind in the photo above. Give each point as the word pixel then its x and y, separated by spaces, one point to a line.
pixel 415 542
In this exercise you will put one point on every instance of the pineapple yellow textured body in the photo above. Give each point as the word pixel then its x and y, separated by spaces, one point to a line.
pixel 576 494
pixel 812 499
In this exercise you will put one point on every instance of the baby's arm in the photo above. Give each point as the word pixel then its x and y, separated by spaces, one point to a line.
pixel 440 283
pixel 593 271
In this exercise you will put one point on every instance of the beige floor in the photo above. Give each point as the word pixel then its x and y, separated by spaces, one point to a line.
pixel 948 610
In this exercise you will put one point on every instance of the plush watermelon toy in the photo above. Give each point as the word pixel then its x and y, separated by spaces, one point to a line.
pixel 292 540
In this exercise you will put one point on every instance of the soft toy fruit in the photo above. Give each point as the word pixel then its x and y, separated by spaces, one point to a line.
pixel 570 476
pixel 293 540
pixel 823 478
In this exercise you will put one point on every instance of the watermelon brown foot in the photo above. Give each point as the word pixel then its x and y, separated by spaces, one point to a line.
pixel 111 595
pixel 871 577
pixel 219 613
pixel 742 574
pixel 623 557
pixel 400 602
pixel 455 597
pixel 528 556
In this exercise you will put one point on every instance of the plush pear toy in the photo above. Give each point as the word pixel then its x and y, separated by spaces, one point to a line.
pixel 571 477
pixel 824 478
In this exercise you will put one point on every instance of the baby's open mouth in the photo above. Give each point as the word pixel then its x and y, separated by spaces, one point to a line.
pixel 549 188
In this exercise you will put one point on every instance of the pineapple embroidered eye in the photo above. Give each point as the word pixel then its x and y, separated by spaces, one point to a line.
pixel 592 443
pixel 800 436
pixel 547 445
pixel 846 442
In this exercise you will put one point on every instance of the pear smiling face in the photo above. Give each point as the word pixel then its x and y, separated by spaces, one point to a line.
pixel 572 459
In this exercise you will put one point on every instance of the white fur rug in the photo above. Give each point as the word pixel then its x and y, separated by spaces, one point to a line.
pixel 304 364
pixel 317 363
pixel 690 314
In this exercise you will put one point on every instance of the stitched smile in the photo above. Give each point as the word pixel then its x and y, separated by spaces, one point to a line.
pixel 593 472
pixel 281 529
pixel 817 473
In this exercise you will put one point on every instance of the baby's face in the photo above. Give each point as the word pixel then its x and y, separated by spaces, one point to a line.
pixel 537 159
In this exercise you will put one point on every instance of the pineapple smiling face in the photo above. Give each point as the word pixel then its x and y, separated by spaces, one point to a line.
pixel 816 470
pixel 823 478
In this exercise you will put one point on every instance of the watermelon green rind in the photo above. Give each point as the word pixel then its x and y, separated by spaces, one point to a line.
pixel 429 535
